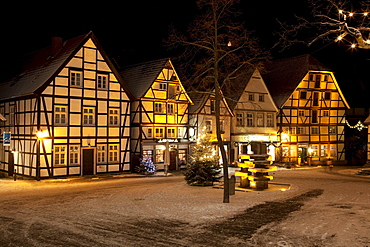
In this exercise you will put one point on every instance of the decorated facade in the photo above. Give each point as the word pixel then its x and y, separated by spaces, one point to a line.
pixel 159 113
pixel 311 119
pixel 253 127
pixel 67 113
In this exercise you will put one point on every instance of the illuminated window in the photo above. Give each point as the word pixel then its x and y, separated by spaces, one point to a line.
pixel 332 130
pixel 301 113
pixel 76 78
pixel 102 81
pixel 59 155
pixel 250 119
pixel 60 115
pixel 147 153
pixel 159 154
pixel 88 116
pixel 270 120
pixel 113 117
pixel 326 113
pixel 158 132
pixel 101 153
pixel 171 108
pixel 171 133
pixel 315 151
pixel 324 151
pixel 333 150
pixel 113 153
pixel 315 130
pixel 239 119
pixel 74 154
pixel 163 86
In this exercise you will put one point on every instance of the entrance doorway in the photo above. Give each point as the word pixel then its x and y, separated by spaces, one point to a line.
pixel 88 161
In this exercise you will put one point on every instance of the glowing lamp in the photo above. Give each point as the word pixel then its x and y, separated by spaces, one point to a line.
pixel 42 134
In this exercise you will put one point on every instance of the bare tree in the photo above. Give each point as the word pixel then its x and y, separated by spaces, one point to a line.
pixel 216 47
pixel 329 20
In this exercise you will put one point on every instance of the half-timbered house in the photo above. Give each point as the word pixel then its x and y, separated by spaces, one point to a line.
pixel 67 112
pixel 311 117
pixel 159 113
pixel 253 127
pixel 202 118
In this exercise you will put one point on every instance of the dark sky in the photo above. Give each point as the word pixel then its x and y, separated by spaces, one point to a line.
pixel 134 30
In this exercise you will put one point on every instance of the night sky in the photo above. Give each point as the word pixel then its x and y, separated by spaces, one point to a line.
pixel 133 31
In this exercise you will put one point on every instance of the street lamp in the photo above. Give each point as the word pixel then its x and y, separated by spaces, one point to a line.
pixel 40 134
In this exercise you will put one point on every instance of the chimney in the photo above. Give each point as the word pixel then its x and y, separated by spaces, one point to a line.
pixel 56 45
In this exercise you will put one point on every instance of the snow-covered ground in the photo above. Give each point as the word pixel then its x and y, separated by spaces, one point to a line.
pixel 165 211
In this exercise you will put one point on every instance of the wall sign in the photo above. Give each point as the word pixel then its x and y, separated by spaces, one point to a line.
pixel 7 137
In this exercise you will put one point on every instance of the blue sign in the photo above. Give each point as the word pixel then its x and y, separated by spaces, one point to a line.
pixel 7 138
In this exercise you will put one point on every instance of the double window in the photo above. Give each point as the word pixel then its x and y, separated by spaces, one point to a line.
pixel 74 154
pixel 102 81
pixel 60 155
pixel 113 153
pixel 88 116
pixel 113 117
pixel 76 78
pixel 101 153
pixel 60 115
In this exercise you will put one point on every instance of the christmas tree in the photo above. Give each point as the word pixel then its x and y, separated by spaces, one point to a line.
pixel 146 166
pixel 204 167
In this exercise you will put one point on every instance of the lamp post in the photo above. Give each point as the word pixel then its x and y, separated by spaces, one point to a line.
pixel 40 134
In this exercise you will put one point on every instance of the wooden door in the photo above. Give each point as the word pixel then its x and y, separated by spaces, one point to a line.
pixel 173 161
pixel 88 162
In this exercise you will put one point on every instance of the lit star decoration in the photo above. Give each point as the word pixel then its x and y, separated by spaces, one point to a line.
pixel 359 126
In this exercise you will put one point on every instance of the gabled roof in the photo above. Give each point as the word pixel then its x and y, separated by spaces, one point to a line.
pixel 236 86
pixel 283 76
pixel 140 77
pixel 39 68
pixel 199 100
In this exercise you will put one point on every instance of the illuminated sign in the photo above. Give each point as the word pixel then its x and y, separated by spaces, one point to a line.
pixel 168 140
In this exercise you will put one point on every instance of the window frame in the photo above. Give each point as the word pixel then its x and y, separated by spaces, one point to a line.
pixel 101 153
pixel 114 117
pixel 74 80
pixel 74 155
pixel 104 83
pixel 86 116
pixel 60 154
pixel 113 153
pixel 59 114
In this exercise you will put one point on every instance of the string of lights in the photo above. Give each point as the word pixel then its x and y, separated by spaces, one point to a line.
pixel 355 32
pixel 359 126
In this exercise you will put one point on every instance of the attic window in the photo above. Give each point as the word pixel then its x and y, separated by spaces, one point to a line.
pixel 76 78
pixel 163 86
